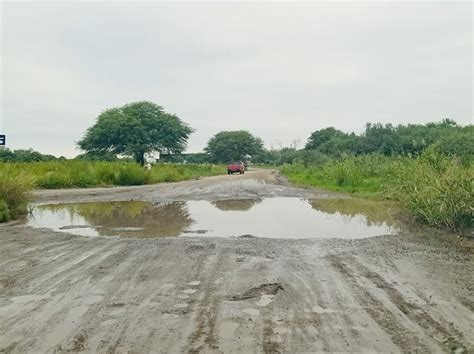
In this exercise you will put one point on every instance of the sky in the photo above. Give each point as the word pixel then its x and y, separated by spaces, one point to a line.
pixel 279 70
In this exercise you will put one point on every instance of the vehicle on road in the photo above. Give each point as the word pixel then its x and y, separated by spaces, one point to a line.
pixel 235 167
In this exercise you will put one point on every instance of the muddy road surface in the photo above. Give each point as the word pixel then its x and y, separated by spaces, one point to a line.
pixel 391 293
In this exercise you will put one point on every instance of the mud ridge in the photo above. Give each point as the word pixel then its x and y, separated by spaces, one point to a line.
pixel 263 289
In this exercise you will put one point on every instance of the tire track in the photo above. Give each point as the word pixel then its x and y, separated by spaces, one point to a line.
pixel 406 339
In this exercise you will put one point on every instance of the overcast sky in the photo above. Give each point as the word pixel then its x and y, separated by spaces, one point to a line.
pixel 279 70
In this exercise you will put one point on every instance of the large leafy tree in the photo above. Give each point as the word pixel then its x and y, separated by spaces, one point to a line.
pixel 320 137
pixel 136 129
pixel 229 146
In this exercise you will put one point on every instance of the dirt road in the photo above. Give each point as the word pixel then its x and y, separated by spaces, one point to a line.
pixel 59 292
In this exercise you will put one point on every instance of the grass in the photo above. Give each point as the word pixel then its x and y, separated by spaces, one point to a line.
pixel 18 179
pixel 15 187
pixel 83 174
pixel 433 188
pixel 437 190
pixel 361 175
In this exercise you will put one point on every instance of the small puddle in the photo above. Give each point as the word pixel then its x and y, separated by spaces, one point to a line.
pixel 272 217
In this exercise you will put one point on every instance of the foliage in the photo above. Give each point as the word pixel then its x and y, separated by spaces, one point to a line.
pixel 77 173
pixel 132 175
pixel 194 158
pixel 97 156
pixel 433 188
pixel 231 146
pixel 460 144
pixel 361 174
pixel 320 137
pixel 389 140
pixel 15 187
pixel 4 211
pixel 436 189
pixel 7 155
pixel 136 129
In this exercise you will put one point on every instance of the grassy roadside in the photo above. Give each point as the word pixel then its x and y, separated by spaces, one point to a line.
pixel 83 174
pixel 15 187
pixel 432 188
pixel 18 179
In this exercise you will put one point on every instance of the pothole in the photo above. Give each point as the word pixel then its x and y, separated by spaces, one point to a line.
pixel 246 219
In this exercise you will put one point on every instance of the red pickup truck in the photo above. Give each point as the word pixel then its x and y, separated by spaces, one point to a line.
pixel 235 167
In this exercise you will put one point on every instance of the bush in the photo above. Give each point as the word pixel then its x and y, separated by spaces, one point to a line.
pixel 433 188
pixel 437 190
pixel 53 179
pixel 77 173
pixel 4 211
pixel 131 175
pixel 361 174
pixel 15 187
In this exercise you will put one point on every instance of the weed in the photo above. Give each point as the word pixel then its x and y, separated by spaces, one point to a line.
pixel 15 187
pixel 433 188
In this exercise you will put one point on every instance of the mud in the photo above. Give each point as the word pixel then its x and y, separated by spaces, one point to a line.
pixel 261 290
pixel 65 293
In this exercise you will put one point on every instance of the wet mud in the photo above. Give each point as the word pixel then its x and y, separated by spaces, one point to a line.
pixel 59 292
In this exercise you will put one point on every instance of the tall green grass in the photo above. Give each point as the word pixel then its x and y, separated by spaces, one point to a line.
pixel 15 187
pixel 363 175
pixel 437 190
pixel 82 174
pixel 18 179
pixel 432 188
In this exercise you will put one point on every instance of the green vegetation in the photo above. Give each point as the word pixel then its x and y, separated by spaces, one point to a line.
pixel 225 147
pixel 15 187
pixel 135 130
pixel 433 188
pixel 77 173
pixel 401 140
pixel 364 175
pixel 445 137
pixel 436 189
pixel 427 168
pixel 7 155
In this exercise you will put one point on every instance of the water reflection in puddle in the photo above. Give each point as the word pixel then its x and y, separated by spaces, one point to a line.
pixel 272 217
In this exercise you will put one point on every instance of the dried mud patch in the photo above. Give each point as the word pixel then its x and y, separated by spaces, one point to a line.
pixel 263 289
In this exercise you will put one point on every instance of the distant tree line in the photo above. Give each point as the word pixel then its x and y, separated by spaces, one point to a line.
pixel 7 155
pixel 411 139
pixel 446 137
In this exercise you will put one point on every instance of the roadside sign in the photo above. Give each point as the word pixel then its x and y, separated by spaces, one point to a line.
pixel 3 140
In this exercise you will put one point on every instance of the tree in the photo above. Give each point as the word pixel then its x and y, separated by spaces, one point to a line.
pixel 320 137
pixel 229 146
pixel 136 129
pixel 22 155
pixel 97 156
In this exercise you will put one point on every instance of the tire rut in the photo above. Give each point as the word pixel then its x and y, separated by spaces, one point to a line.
pixel 406 339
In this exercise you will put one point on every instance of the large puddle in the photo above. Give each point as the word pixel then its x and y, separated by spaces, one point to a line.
pixel 272 217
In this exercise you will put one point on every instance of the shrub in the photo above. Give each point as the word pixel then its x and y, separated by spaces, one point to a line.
pixel 433 188
pixel 4 211
pixel 361 174
pixel 52 179
pixel 106 174
pixel 437 190
pixel 78 173
pixel 131 175
pixel 15 187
